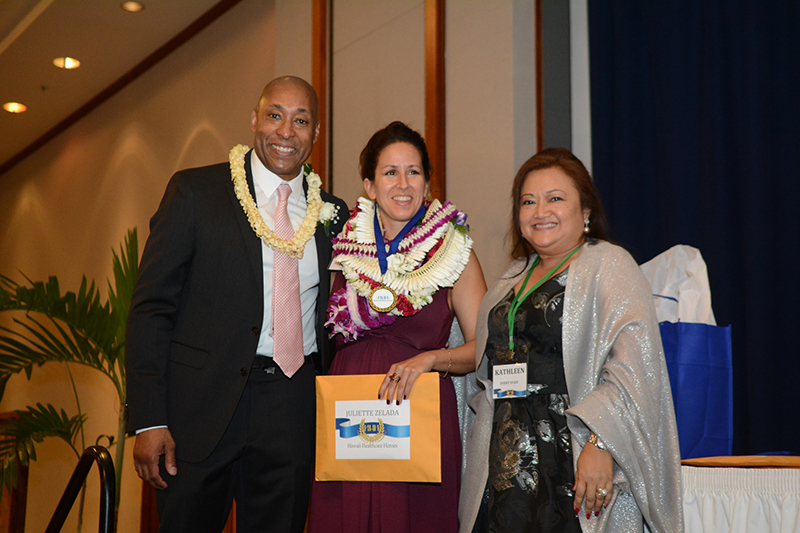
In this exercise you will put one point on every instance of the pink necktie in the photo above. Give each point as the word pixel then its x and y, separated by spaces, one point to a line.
pixel 287 323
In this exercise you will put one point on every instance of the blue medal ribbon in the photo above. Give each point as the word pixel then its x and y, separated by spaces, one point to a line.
pixel 381 246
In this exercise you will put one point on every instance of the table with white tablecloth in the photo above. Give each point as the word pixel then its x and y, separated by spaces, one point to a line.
pixel 742 495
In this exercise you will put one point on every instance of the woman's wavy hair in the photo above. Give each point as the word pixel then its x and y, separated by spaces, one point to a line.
pixel 564 160
pixel 396 132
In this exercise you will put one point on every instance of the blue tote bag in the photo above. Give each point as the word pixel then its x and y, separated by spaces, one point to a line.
pixel 701 376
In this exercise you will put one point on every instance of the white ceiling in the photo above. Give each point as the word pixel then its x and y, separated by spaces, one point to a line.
pixel 107 40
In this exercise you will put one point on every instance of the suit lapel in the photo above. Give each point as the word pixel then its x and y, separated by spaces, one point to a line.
pixel 322 241
pixel 251 241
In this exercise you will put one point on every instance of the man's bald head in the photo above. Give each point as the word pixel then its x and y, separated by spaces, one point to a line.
pixel 298 83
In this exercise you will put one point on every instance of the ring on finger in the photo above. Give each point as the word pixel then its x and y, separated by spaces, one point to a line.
pixel 602 492
pixel 394 378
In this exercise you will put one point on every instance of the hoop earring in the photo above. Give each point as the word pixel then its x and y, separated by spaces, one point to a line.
pixel 586 226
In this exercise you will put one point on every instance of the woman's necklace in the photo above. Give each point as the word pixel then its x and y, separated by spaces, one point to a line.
pixel 521 295
pixel 431 255
pixel 382 298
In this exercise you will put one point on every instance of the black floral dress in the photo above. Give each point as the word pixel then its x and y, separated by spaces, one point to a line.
pixel 530 458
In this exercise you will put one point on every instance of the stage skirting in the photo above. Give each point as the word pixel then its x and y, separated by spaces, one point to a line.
pixel 741 500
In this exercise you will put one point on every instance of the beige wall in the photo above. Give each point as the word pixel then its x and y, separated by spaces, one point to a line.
pixel 378 77
pixel 480 122
pixel 64 209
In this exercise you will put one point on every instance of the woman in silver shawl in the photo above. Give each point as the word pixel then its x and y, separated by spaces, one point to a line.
pixel 586 439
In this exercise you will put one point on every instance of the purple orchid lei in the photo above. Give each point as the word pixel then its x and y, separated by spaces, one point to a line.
pixel 349 312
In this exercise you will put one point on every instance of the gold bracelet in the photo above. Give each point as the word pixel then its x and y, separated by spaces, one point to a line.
pixel 449 363
pixel 594 439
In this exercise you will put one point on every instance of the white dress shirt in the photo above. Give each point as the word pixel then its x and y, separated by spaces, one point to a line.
pixel 266 188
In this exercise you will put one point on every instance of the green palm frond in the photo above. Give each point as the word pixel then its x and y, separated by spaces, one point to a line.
pixel 82 311
pixel 3 380
pixel 73 327
pixel 126 271
pixel 19 435
pixel 80 328
pixel 35 344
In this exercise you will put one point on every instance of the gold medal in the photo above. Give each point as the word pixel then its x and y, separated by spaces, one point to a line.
pixel 382 299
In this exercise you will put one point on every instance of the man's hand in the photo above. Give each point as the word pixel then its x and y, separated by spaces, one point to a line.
pixel 149 446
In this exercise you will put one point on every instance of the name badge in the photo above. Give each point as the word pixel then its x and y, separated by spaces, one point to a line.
pixel 510 381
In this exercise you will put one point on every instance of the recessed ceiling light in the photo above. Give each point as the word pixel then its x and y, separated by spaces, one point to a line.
pixel 14 107
pixel 132 7
pixel 66 62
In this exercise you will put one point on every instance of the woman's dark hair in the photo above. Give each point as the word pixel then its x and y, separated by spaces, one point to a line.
pixel 396 132
pixel 564 160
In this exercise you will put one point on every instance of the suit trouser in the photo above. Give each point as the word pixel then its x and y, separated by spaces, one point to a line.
pixel 263 461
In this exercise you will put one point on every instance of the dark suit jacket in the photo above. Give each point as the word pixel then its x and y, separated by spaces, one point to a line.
pixel 197 310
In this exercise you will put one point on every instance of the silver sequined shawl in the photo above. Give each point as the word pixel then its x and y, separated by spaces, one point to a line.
pixel 618 387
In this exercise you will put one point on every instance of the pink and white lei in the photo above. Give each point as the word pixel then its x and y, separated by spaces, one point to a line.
pixel 432 255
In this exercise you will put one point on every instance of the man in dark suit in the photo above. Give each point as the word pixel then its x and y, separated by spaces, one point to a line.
pixel 225 333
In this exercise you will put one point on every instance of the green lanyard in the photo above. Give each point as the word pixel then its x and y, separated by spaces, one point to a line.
pixel 517 301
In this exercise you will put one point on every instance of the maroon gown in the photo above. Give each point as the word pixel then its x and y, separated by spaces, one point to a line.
pixel 370 507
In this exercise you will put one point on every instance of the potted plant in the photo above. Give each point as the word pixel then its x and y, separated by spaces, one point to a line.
pixel 69 328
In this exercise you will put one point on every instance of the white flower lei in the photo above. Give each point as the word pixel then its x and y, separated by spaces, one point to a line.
pixel 355 249
pixel 294 246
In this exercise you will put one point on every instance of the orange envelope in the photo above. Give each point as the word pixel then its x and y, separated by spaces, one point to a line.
pixel 361 438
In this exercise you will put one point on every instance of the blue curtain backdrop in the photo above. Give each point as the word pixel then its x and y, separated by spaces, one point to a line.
pixel 696 134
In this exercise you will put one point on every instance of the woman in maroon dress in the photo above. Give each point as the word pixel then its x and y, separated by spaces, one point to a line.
pixel 426 262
